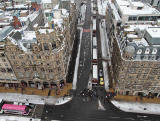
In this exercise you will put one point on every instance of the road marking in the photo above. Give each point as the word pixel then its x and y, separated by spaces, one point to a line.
pixel 86 30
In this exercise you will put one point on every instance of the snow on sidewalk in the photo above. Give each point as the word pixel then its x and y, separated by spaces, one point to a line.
pixel 77 63
pixel 34 99
pixel 102 5
pixel 14 118
pixel 105 53
pixel 136 107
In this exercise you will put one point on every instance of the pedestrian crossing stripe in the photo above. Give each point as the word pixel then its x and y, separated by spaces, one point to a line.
pixel 86 30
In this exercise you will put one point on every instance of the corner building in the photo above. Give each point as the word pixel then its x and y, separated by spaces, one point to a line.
pixel 39 59
pixel 134 48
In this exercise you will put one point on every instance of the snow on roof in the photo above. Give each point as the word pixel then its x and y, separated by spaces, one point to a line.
pixel 29 35
pixel 23 18
pixel 141 42
pixel 154 32
pixel 115 12
pixel 57 6
pixel 65 12
pixel 58 22
pixel 46 1
pixel 24 11
pixel 126 8
pixel 137 26
pixel 47 10
pixel 33 15
pixel 43 31
pixel 132 36
pixel 137 4
pixel 19 6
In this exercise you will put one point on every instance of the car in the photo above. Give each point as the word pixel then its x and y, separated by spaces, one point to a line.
pixel 100 73
pixel 101 82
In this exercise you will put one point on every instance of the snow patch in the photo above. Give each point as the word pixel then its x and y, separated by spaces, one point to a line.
pixel 136 107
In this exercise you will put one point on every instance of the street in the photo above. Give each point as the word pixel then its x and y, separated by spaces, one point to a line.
pixel 94 108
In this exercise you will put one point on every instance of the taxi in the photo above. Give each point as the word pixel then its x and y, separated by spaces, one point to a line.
pixel 101 82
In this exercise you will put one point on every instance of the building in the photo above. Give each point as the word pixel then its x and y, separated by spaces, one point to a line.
pixel 154 3
pixel 134 48
pixel 39 58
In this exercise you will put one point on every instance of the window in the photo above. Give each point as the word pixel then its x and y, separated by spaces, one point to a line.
pixel 153 18
pixel 47 14
pixel 6 64
pixel 46 47
pixel 141 18
pixel 139 8
pixel 4 60
pixel 12 57
pixel 50 70
pixel 20 57
pixel 38 57
pixel 132 18
pixel 57 62
pixel 59 69
pixel 26 69
pixel 34 69
pixel 20 74
pixel 2 54
pixel 9 70
pixel 3 70
pixel 22 63
pixel 42 69
pixel 53 45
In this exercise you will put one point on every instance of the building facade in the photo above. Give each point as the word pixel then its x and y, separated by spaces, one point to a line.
pixel 39 59
pixel 134 47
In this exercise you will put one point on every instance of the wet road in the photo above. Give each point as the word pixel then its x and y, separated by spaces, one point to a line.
pixel 81 110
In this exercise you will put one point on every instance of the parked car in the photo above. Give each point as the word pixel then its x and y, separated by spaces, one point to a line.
pixel 100 73
pixel 101 82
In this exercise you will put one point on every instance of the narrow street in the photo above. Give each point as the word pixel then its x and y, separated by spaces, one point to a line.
pixel 80 109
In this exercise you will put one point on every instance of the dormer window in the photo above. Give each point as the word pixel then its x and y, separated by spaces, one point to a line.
pixel 154 51
pixel 147 51
pixel 139 8
pixel 139 51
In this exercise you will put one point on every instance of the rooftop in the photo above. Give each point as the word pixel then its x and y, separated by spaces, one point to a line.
pixel 154 32
pixel 128 7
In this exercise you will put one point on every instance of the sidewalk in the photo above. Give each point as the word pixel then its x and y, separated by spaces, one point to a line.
pixel 35 99
pixel 137 107
pixel 102 5
pixel 14 118
pixel 137 99
pixel 105 53
pixel 77 62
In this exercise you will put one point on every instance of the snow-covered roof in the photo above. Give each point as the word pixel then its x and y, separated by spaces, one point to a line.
pixel 46 1
pixel 29 35
pixel 154 32
pixel 141 42
pixel 128 8
pixel 5 32
pixel 44 31
pixel 115 12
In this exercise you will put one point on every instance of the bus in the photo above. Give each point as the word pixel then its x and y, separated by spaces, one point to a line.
pixel 94 42
pixel 15 109
pixel 94 74
pixel 94 26
pixel 94 56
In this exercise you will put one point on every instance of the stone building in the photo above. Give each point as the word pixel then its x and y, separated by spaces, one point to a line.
pixel 40 58
pixel 134 47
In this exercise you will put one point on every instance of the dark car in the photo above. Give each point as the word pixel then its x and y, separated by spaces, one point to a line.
pixel 100 73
